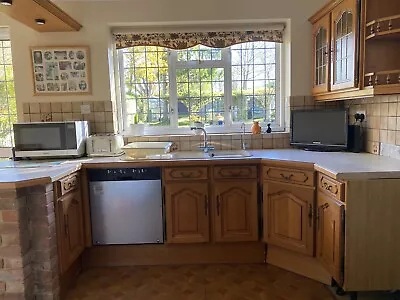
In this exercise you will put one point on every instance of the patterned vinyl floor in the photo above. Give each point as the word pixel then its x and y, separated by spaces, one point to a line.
pixel 202 282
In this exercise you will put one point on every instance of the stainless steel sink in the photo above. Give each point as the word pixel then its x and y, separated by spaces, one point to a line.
pixel 229 154
pixel 211 154
pixel 189 155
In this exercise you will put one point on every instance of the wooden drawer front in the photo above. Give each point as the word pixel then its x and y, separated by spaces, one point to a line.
pixel 183 173
pixel 245 172
pixel 289 175
pixel 331 187
pixel 68 184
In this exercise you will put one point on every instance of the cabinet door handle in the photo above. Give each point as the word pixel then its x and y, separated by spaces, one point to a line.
pixel 66 226
pixel 206 205
pixel 325 206
pixel 235 174
pixel 187 174
pixel 310 215
pixel 287 177
pixel 218 205
pixel 318 217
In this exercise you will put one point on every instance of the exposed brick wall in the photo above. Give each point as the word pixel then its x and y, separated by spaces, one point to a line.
pixel 28 246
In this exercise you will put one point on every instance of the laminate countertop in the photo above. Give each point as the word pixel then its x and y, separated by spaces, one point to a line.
pixel 339 165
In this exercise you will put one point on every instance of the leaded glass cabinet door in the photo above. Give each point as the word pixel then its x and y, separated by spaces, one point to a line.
pixel 344 50
pixel 321 47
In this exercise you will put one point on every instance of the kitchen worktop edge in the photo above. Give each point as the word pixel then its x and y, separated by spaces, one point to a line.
pixel 341 166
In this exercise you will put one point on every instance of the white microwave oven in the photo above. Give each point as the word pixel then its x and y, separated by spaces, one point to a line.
pixel 50 139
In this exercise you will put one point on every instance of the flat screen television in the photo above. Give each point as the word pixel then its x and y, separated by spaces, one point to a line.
pixel 320 130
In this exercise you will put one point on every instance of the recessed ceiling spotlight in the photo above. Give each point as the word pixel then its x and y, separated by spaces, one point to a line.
pixel 40 21
pixel 6 2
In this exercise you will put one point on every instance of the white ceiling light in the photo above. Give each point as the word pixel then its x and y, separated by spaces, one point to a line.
pixel 6 2
pixel 40 21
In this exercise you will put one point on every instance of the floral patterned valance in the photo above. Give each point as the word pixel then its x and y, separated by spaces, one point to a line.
pixel 186 40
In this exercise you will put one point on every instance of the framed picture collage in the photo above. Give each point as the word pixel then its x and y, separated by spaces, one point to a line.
pixel 61 70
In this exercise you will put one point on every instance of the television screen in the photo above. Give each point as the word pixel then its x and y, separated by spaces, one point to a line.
pixel 319 129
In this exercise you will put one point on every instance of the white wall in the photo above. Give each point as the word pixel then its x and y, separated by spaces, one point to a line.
pixel 98 17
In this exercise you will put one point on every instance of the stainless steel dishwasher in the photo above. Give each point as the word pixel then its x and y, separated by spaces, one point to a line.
pixel 126 206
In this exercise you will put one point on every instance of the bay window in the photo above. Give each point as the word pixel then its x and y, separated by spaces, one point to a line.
pixel 220 86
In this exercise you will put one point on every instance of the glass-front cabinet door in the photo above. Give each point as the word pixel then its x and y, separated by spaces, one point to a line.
pixel 321 46
pixel 344 50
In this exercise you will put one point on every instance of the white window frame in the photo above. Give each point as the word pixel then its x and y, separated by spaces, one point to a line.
pixel 225 62
pixel 5 152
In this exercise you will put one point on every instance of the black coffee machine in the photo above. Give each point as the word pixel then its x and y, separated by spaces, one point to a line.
pixel 356 134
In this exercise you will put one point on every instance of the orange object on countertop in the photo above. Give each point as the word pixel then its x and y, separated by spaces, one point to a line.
pixel 256 128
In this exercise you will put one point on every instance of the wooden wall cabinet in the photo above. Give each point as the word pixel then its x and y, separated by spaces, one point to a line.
pixel 362 38
pixel 187 212
pixel 70 227
pixel 289 216
pixel 330 235
pixel 344 46
pixel 321 55
pixel 336 49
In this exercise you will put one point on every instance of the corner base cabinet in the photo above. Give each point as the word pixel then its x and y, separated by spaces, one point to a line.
pixel 330 235
pixel 289 216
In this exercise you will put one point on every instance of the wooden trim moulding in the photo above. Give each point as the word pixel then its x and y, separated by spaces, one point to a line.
pixel 344 95
pixel 173 254
pixel 60 14
pixel 324 10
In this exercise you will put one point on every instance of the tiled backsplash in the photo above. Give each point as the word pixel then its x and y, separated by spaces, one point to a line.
pixel 382 124
pixel 103 114
pixel 307 102
pixel 220 141
pixel 101 117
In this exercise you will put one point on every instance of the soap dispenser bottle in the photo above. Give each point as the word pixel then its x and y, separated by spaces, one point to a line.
pixel 269 130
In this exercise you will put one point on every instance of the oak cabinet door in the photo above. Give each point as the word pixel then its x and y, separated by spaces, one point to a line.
pixel 235 211
pixel 187 212
pixel 289 216
pixel 344 62
pixel 321 51
pixel 330 235
pixel 70 215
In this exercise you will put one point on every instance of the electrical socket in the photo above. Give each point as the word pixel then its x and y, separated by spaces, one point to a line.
pixel 362 112
pixel 376 148
pixel 85 109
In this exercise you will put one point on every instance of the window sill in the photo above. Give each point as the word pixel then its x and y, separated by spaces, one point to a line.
pixel 233 135
pixel 235 129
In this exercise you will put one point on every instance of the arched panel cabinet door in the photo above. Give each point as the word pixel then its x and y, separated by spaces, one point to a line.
pixel 344 45
pixel 187 212
pixel 289 216
pixel 235 211
pixel 321 55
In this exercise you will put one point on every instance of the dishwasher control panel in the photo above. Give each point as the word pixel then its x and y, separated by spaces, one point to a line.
pixel 121 174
